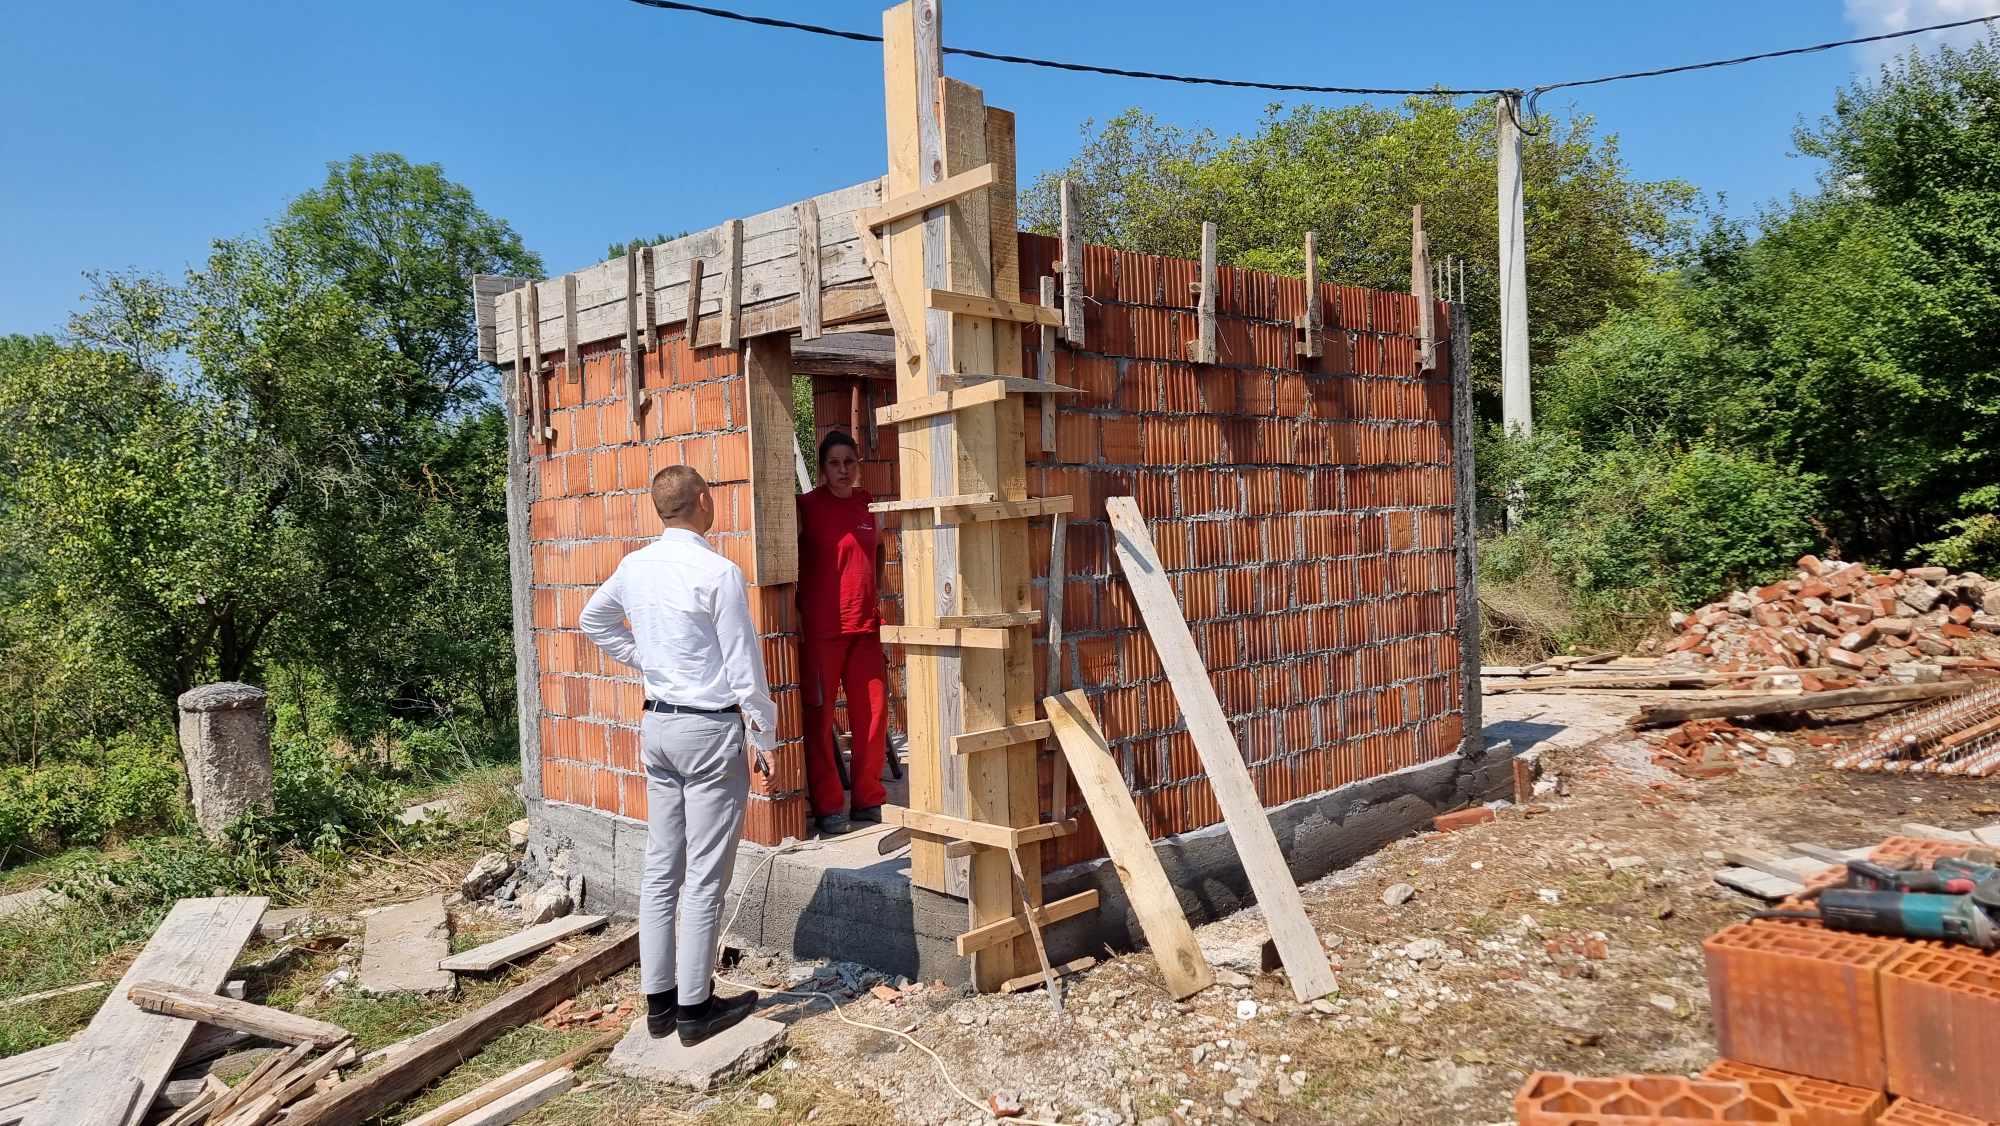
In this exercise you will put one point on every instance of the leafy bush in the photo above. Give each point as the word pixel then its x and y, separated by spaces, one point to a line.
pixel 134 787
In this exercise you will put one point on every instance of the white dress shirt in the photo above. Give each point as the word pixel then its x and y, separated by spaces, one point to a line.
pixel 690 632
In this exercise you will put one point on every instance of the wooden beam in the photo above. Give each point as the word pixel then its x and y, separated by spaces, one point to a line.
pixel 978 832
pixel 992 934
pixel 194 946
pixel 524 371
pixel 1420 288
pixel 442 1048
pixel 774 509
pixel 838 305
pixel 1072 267
pixel 941 637
pixel 999 737
pixel 696 267
pixel 649 280
pixel 635 355
pixel 1067 969
pixel 572 361
pixel 228 1012
pixel 940 403
pixel 918 504
pixel 998 308
pixel 540 388
pixel 808 219
pixel 487 289
pixel 1045 367
pixel 1058 581
pixel 892 304
pixel 1314 344
pixel 1010 620
pixel 1006 510
pixel 1102 783
pixel 732 292
pixel 1249 825
pixel 922 200
pixel 519 945
pixel 1657 715
pixel 1202 348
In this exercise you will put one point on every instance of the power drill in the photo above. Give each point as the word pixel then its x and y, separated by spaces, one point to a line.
pixel 1954 901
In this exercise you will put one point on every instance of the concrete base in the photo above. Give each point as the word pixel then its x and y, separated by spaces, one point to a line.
pixel 840 900
pixel 733 1054
pixel 401 947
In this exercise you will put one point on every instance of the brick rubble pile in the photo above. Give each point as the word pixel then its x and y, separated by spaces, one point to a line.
pixel 1842 624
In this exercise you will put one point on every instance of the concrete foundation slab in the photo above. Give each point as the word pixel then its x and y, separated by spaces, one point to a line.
pixel 402 946
pixel 732 1054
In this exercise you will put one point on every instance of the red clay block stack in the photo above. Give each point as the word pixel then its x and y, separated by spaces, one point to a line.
pixel 1551 1098
pixel 1941 1024
pixel 1800 999
pixel 1905 1112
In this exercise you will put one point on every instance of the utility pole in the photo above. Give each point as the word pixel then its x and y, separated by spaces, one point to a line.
pixel 1516 405
pixel 1517 417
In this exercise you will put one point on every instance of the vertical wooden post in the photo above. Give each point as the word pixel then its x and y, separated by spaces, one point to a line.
pixel 538 393
pixel 635 356
pixel 1072 267
pixel 572 364
pixel 1420 288
pixel 1203 351
pixel 732 290
pixel 1315 344
pixel 649 281
pixel 692 321
pixel 807 215
pixel 522 394
pixel 1045 370
pixel 767 394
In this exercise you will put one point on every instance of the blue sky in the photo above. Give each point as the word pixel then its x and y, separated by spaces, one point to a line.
pixel 136 133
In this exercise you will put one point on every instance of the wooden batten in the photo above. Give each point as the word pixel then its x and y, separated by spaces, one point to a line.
pixel 999 737
pixel 539 389
pixel 1045 367
pixel 809 311
pixel 1420 288
pixel 997 308
pixel 1072 267
pixel 572 360
pixel 1202 348
pixel 994 933
pixel 922 200
pixel 732 288
pixel 635 354
pixel 1314 344
pixel 524 393
pixel 648 272
pixel 487 289
pixel 696 267
pixel 945 637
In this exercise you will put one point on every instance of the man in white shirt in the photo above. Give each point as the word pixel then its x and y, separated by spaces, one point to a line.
pixel 690 634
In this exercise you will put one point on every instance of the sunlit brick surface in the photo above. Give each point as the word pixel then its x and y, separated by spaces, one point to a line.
pixel 1941 1028
pixel 1799 999
pixel 1551 1098
pixel 1823 1103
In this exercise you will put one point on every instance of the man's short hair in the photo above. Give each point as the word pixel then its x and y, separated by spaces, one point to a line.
pixel 675 491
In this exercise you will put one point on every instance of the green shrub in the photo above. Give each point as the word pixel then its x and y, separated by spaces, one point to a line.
pixel 134 786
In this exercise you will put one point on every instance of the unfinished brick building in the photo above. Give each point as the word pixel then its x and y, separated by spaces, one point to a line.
pixel 1307 490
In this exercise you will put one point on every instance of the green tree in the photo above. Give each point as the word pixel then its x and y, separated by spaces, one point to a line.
pixel 1352 175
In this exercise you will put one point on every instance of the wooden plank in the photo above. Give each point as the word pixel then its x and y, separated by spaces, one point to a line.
pixel 1420 288
pixel 997 308
pixel 1017 927
pixel 998 737
pixel 1072 267
pixel 194 946
pixel 540 395
pixel 892 303
pixel 442 1048
pixel 1014 384
pixel 732 290
pixel 228 1012
pixel 925 198
pixel 1026 509
pixel 572 360
pixel 489 1103
pixel 1058 580
pixel 696 266
pixel 774 509
pixel 635 349
pixel 940 403
pixel 1783 867
pixel 486 292
pixel 1045 367
pixel 978 832
pixel 1014 619
pixel 1202 349
pixel 1656 715
pixel 918 504
pixel 1102 783
pixel 524 372
pixel 1760 885
pixel 809 314
pixel 940 636
pixel 1031 914
pixel 1067 969
pixel 1249 826
pixel 649 283
pixel 1314 344
pixel 513 948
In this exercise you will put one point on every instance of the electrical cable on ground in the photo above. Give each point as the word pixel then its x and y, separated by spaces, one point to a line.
pixel 943 1071
pixel 1532 93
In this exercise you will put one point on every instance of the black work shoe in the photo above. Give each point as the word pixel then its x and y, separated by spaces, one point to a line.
pixel 662 1009
pixel 699 1022
pixel 872 814
pixel 833 824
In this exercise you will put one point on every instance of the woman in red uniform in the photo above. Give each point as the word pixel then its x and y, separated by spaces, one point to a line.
pixel 841 628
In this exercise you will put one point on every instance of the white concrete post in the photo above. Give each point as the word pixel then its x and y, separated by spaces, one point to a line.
pixel 227 747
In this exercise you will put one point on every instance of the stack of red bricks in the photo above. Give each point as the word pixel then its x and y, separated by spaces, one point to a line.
pixel 1842 624
pixel 1822 1028
pixel 592 505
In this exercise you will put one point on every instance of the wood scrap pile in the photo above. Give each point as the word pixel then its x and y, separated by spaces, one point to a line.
pixel 1839 625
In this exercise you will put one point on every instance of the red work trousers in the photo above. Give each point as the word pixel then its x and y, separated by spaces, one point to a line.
pixel 853 661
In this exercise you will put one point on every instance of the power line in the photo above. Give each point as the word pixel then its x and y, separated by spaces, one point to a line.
pixel 1303 88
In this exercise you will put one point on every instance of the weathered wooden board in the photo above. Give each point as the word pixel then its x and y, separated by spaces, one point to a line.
pixel 513 948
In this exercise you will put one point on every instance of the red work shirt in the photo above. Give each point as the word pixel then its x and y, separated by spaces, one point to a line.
pixel 837 542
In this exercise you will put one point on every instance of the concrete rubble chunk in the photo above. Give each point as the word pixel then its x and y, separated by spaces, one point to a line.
pixel 730 1055
pixel 550 901
pixel 443 809
pixel 226 745
pixel 1395 895
pixel 401 948
pixel 489 872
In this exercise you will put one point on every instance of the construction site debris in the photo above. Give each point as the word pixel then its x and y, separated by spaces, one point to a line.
pixel 733 1054
pixel 1657 715
pixel 1959 737
pixel 1841 624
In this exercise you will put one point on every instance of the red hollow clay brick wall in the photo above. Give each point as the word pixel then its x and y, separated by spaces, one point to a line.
pixel 1302 507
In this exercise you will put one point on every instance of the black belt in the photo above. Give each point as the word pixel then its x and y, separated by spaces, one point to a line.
pixel 665 708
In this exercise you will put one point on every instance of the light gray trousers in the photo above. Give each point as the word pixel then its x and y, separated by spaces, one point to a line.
pixel 697 784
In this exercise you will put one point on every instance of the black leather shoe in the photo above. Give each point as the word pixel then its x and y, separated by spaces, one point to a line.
pixel 699 1022
pixel 872 814
pixel 662 1010
pixel 832 825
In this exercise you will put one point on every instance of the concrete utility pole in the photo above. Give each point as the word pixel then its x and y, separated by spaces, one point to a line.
pixel 1516 404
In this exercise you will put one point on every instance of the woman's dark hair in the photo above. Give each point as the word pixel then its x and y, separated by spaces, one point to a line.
pixel 833 440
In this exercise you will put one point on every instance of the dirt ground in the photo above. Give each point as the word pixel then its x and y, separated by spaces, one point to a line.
pixel 1563 935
